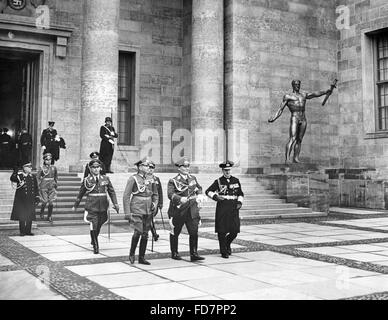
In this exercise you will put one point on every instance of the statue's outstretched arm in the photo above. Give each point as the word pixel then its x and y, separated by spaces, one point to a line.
pixel 280 110
pixel 311 95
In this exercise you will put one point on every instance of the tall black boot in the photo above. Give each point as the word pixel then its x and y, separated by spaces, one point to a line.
pixel 42 211
pixel 174 247
pixel 142 250
pixel 50 212
pixel 135 240
pixel 193 242
pixel 22 228
pixel 27 228
pixel 223 244
pixel 229 239
pixel 94 241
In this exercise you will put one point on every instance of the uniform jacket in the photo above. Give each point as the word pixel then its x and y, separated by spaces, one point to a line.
pixel 48 137
pixel 138 196
pixel 26 196
pixel 24 141
pixel 97 199
pixel 5 141
pixel 227 215
pixel 47 177
pixel 179 187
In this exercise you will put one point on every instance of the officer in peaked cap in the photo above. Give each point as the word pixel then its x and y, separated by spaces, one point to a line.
pixel 48 182
pixel 49 141
pixel 97 187
pixel 140 201
pixel 107 135
pixel 94 155
pixel 26 198
pixel 182 190
pixel 227 191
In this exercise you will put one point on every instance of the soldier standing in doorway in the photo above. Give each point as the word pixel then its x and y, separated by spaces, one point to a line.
pixel 96 187
pixel 26 198
pixel 140 200
pixel 182 191
pixel 48 183
pixel 5 148
pixel 227 191
pixel 24 145
pixel 107 135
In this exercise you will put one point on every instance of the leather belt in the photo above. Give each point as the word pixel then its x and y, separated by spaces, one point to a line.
pixel 97 194
pixel 228 197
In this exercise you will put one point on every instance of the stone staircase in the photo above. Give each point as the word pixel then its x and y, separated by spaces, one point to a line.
pixel 259 202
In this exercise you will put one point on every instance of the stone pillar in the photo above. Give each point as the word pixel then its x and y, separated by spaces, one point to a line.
pixel 99 71
pixel 207 94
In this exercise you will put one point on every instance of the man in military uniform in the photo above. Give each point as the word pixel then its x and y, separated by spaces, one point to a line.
pixel 107 135
pixel 96 187
pixel 140 200
pixel 158 186
pixel 48 183
pixel 94 155
pixel 49 141
pixel 182 191
pixel 227 191
pixel 26 198
pixel 24 145
pixel 5 148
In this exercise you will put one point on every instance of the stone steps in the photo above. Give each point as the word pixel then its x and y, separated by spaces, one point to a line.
pixel 259 202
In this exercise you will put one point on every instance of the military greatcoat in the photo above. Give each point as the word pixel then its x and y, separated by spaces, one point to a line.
pixel 26 196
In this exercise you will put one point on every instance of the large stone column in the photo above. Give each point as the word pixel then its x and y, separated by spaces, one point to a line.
pixel 207 94
pixel 99 71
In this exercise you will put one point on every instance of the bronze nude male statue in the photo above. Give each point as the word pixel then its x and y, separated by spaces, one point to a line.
pixel 296 102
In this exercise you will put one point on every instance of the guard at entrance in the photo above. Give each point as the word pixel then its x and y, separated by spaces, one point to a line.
pixel 26 198
pixel 96 187
pixel 183 191
pixel 227 191
pixel 107 135
pixel 49 141
pixel 5 148
pixel 24 146
pixel 140 200
pixel 48 183
pixel 94 156
pixel 158 186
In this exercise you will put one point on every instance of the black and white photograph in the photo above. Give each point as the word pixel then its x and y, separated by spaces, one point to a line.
pixel 193 154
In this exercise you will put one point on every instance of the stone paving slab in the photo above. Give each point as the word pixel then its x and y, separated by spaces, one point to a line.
pixel 21 285
pixel 270 261
pixel 5 262
pixel 355 211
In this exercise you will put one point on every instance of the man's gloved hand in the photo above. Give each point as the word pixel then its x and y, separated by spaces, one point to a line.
pixel 184 200
pixel 238 205
pixel 37 200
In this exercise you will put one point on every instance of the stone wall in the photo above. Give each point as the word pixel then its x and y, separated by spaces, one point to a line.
pixel 356 89
pixel 155 27
pixel 269 43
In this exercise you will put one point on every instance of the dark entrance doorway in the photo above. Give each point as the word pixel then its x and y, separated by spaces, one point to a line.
pixel 19 79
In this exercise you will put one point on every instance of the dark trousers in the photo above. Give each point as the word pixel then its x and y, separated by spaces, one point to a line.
pixel 225 240
pixel 25 227
pixel 192 229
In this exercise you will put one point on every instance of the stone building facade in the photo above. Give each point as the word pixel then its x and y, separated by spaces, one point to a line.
pixel 162 68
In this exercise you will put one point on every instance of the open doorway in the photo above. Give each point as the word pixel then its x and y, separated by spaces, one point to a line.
pixel 19 81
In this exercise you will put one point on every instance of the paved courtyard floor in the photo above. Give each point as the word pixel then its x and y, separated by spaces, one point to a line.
pixel 300 260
